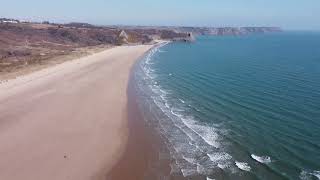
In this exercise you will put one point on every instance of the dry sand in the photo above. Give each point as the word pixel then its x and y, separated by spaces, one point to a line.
pixel 68 121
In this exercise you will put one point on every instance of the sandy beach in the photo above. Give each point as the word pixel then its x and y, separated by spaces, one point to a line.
pixel 69 121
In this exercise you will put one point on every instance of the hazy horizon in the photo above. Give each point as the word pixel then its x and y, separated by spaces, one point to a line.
pixel 290 15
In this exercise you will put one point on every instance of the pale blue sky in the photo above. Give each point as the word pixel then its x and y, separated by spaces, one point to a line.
pixel 289 14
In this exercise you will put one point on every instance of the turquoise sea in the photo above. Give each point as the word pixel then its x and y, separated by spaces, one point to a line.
pixel 236 107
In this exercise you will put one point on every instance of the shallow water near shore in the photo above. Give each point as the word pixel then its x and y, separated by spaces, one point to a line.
pixel 235 107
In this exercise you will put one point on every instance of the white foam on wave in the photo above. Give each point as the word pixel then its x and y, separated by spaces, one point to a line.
pixel 219 156
pixel 304 175
pixel 167 105
pixel 148 59
pixel 182 101
pixel 188 172
pixel 163 91
pixel 207 133
pixel 261 159
pixel 201 169
pixel 222 159
pixel 243 166
pixel 307 175
pixel 316 174
pixel 209 178
pixel 174 168
pixel 191 130
pixel 190 160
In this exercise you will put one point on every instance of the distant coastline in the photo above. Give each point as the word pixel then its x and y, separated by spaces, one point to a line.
pixel 25 45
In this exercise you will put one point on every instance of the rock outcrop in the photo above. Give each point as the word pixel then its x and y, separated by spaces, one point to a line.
pixel 123 37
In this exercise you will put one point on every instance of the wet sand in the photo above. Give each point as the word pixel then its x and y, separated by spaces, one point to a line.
pixel 69 121
pixel 146 156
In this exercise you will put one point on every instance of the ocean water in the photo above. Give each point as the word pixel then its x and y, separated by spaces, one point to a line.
pixel 236 107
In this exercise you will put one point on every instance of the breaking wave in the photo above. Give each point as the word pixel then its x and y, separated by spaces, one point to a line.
pixel 243 166
pixel 306 175
pixel 261 159
pixel 196 147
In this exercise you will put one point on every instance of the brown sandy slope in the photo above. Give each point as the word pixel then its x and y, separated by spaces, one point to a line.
pixel 68 121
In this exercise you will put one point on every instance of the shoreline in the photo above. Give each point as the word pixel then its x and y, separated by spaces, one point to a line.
pixel 143 148
pixel 146 155
pixel 142 145
pixel 137 152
